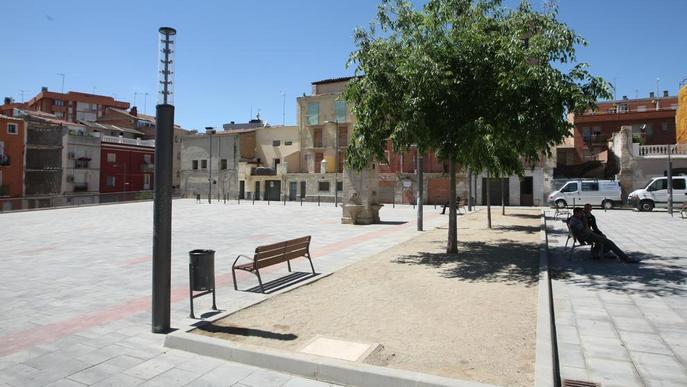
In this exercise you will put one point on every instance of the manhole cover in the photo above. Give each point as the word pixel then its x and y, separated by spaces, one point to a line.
pixel 339 349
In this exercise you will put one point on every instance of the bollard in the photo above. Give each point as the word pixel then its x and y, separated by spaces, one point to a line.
pixel 284 199
pixel 318 200
pixel 268 200
pixel 253 199
pixel 238 200
pixel 393 201
pixel 301 201
pixel 604 204
pixel 573 203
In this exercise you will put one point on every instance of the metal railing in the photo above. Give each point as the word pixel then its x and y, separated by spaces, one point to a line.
pixel 128 141
pixel 662 150
pixel 57 201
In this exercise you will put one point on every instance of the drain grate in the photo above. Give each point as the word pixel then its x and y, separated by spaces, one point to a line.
pixel 579 383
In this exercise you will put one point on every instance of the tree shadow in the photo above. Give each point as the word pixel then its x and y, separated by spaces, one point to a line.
pixel 526 216
pixel 240 331
pixel 653 276
pixel 517 228
pixel 501 261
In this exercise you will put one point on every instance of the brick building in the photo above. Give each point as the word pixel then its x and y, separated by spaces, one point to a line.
pixel 12 139
pixel 126 165
pixel 652 120
pixel 72 106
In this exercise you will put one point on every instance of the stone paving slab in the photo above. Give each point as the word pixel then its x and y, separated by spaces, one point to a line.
pixel 75 286
pixel 623 324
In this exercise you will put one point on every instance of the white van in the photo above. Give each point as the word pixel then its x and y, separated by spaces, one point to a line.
pixel 604 193
pixel 655 194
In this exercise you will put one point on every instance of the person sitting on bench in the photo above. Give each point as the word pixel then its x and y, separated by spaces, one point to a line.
pixel 446 205
pixel 581 230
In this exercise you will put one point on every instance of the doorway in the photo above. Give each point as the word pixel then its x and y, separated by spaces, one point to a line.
pixel 527 191
pixel 293 186
pixel 273 190
pixel 256 192
pixel 495 191
pixel 242 189
pixel 302 190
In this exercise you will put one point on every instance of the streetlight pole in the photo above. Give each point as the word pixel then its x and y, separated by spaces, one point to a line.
pixel 336 162
pixel 420 188
pixel 162 210
pixel 670 181
pixel 209 133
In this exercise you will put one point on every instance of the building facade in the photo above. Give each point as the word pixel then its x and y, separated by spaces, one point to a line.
pixel 81 161
pixel 43 171
pixel 209 165
pixel 126 165
pixel 73 106
pixel 12 139
pixel 681 117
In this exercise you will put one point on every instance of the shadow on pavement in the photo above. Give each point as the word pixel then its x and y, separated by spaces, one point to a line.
pixel 499 261
pixel 653 276
pixel 239 331
pixel 282 282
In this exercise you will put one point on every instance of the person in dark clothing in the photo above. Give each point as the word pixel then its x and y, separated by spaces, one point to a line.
pixel 591 219
pixel 443 210
pixel 580 228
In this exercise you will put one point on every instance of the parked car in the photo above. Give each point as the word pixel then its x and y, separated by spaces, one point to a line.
pixel 655 194
pixel 604 193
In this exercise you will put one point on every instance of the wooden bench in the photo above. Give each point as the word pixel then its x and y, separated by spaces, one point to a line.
pixel 273 254
pixel 460 203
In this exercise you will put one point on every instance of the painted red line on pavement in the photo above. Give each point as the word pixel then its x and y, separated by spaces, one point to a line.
pixel 136 261
pixel 18 341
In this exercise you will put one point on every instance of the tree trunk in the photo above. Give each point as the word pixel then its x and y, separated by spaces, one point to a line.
pixel 452 247
pixel 503 196
pixel 488 200
pixel 420 194
pixel 469 189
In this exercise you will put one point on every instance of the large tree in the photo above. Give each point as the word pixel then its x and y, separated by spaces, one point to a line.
pixel 476 83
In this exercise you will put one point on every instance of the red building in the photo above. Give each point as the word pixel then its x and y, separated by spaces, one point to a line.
pixel 652 120
pixel 12 140
pixel 126 165
pixel 72 106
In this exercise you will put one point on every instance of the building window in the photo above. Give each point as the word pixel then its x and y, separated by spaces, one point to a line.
pixel 313 117
pixel 176 138
pixel 59 114
pixel 223 164
pixel 340 107
pixel 276 142
pixel 288 142
pixel 587 134
pixel 111 157
pixel 339 186
pixel 203 164
pixel 59 102
pixel 195 164
pixel 148 159
pixel 12 128
pixel 110 181
pixel 323 186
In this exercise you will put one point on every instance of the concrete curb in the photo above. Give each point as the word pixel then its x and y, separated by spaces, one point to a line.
pixel 545 371
pixel 310 366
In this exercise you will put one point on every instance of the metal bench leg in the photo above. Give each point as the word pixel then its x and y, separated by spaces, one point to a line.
pixel 262 288
pixel 233 274
pixel 567 241
pixel 288 263
pixel 311 266
pixel 572 250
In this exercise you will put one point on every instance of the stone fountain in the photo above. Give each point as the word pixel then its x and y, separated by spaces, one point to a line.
pixel 360 201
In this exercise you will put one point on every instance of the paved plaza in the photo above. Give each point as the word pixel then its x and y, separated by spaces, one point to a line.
pixel 75 286
pixel 623 324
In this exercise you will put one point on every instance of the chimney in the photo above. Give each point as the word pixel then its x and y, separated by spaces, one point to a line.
pixel 665 93
pixel 652 95
pixel 44 88
pixel 134 111
pixel 8 100
pixel 624 97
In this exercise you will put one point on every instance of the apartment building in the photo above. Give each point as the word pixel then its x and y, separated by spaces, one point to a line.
pixel 73 106
pixel 12 139
pixel 126 164
pixel 45 140
pixel 209 165
pixel 681 116
pixel 652 119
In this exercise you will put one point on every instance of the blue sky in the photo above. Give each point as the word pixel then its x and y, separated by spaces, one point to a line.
pixel 234 57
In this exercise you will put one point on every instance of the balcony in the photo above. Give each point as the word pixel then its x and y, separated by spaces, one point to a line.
pixel 82 163
pixel 4 160
pixel 128 141
pixel 679 150
pixel 263 171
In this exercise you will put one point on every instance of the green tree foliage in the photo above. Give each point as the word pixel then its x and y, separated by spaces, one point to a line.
pixel 481 85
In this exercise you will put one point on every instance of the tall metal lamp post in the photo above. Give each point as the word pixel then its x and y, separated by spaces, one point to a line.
pixel 162 212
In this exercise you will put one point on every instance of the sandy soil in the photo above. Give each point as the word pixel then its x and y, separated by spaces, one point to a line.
pixel 470 316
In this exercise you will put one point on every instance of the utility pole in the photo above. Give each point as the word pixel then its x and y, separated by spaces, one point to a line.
pixel 162 210
pixel 670 181
pixel 62 75
pixel 420 188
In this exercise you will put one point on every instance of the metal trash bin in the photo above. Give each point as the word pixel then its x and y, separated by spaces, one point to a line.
pixel 201 275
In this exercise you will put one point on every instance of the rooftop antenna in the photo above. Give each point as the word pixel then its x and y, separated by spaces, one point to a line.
pixel 283 108
pixel 657 81
pixel 61 75
pixel 93 89
pixel 145 103
pixel 251 112
pixel 21 93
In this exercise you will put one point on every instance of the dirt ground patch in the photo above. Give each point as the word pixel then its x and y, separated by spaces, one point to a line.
pixel 469 316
